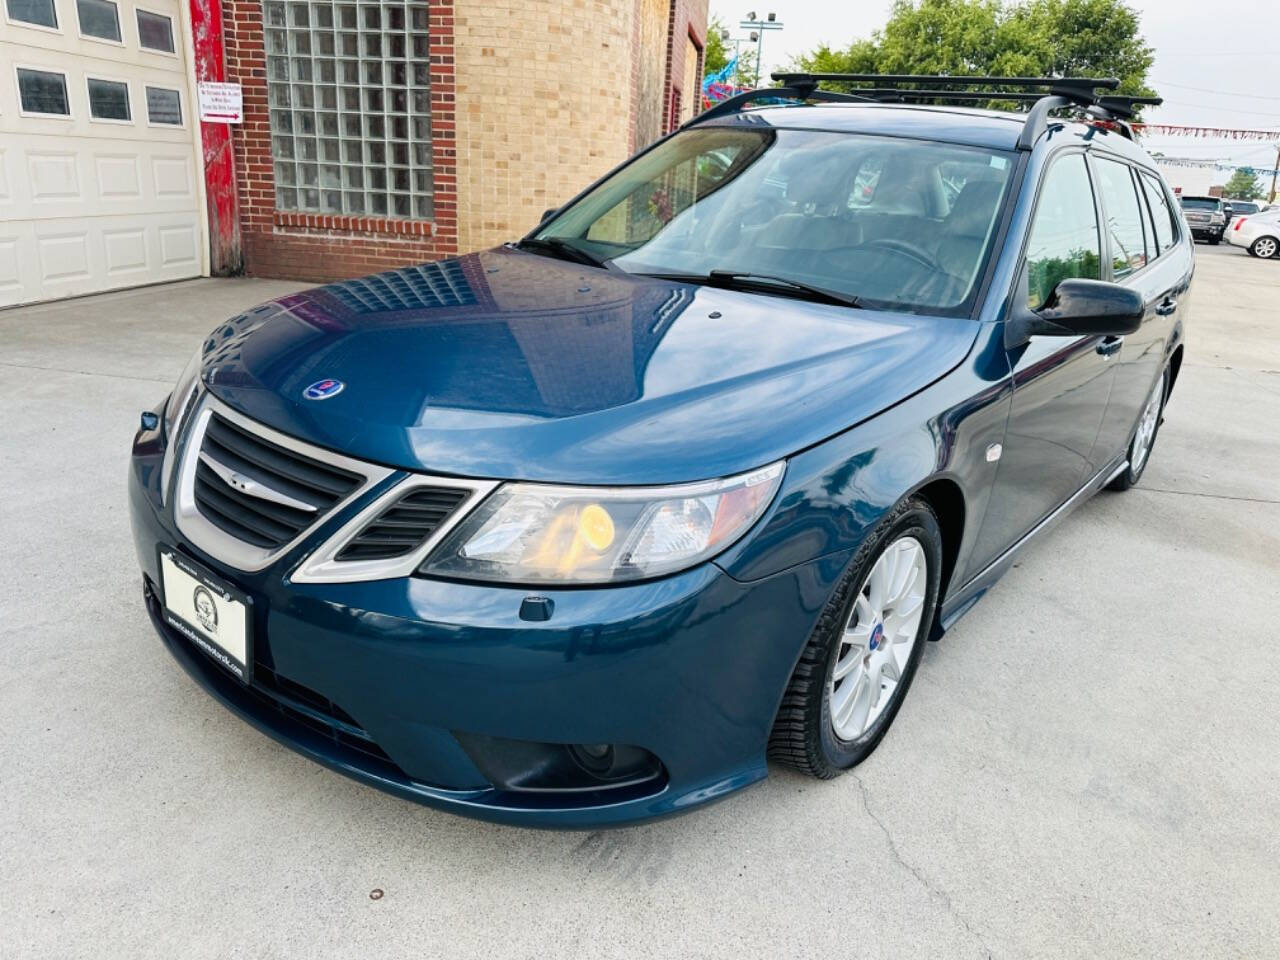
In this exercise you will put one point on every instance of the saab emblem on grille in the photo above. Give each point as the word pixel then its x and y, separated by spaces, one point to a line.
pixel 324 389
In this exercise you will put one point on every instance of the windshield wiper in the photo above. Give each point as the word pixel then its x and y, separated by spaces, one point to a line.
pixel 747 280
pixel 562 248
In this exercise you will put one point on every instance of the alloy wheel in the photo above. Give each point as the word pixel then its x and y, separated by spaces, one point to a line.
pixel 1265 248
pixel 1147 428
pixel 882 631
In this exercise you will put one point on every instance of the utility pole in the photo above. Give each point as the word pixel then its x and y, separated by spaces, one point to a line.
pixel 757 28
pixel 1274 172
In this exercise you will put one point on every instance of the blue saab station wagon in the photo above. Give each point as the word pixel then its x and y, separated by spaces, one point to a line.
pixel 588 528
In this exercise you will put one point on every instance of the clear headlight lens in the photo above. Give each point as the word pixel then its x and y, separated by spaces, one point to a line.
pixel 535 533
pixel 181 395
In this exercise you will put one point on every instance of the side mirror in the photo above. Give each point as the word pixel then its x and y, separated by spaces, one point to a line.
pixel 548 214
pixel 1080 308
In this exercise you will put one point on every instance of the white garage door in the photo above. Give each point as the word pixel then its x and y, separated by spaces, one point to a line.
pixel 97 160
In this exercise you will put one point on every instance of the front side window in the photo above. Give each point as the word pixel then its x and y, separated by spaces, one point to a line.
pixel 108 100
pixel 155 32
pixel 40 91
pixel 1063 242
pixel 1161 212
pixel 39 12
pixel 164 106
pixel 905 224
pixel 1124 218
pixel 99 18
pixel 349 93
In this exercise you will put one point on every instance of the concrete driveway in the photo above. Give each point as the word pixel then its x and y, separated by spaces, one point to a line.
pixel 1088 765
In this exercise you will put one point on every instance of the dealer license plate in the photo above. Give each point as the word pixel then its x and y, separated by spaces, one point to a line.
pixel 208 611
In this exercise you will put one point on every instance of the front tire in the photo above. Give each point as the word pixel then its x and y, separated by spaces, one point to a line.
pixel 862 656
pixel 1144 435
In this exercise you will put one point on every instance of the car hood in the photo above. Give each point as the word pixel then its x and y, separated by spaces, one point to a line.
pixel 510 365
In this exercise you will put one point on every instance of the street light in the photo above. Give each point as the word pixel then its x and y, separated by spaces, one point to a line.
pixel 757 28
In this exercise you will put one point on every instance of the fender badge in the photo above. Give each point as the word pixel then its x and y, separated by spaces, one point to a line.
pixel 324 389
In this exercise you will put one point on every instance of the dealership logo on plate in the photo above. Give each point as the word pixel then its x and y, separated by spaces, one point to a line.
pixel 324 389
pixel 206 609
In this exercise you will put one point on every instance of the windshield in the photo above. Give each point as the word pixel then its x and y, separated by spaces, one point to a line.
pixel 1242 207
pixel 1200 203
pixel 902 223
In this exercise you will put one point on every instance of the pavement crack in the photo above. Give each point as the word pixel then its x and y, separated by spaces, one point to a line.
pixel 931 888
pixel 82 373
pixel 1207 496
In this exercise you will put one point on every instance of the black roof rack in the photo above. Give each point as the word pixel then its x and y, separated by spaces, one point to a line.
pixel 1043 93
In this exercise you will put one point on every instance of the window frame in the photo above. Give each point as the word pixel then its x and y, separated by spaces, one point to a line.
pixel 17 89
pixel 1170 202
pixel 56 28
pixel 128 99
pixel 1020 289
pixel 173 31
pixel 94 37
pixel 1142 206
pixel 182 112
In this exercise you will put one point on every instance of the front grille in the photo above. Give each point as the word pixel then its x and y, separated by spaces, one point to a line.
pixel 404 525
pixel 256 520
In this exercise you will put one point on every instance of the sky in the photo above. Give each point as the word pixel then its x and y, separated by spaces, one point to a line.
pixel 1215 60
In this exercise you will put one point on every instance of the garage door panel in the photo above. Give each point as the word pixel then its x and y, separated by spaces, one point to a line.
pixel 64 257
pixel 117 176
pixel 172 176
pixel 177 245
pixel 54 176
pixel 10 272
pixel 125 251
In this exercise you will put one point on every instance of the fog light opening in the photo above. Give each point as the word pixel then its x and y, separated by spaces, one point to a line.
pixel 595 758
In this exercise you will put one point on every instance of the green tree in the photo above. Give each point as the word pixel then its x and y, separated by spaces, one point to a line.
pixel 1243 185
pixel 715 56
pixel 1098 38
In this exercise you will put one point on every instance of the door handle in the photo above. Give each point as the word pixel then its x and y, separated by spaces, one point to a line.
pixel 1166 306
pixel 1109 346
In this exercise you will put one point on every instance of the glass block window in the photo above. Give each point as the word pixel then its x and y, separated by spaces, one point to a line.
pixel 350 107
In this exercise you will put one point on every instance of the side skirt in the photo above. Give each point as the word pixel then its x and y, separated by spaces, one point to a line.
pixel 960 602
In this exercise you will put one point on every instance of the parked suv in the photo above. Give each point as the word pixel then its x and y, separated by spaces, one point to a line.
pixel 586 528
pixel 1206 216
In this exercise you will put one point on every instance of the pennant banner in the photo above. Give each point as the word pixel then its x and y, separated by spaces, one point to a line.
pixel 1211 133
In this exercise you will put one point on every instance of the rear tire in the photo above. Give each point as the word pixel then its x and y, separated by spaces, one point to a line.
pixel 1265 247
pixel 1144 435
pixel 805 734
pixel 1214 241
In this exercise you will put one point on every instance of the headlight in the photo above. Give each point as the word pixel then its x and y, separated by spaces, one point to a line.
pixel 176 407
pixel 181 395
pixel 535 533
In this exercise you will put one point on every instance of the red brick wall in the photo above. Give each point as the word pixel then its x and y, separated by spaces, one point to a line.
pixel 688 21
pixel 307 246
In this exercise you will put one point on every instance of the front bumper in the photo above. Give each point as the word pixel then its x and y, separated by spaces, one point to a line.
pixel 1207 231
pixel 394 682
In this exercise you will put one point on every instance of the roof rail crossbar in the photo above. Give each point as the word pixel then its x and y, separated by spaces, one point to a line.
pixel 1045 93
pixel 793 91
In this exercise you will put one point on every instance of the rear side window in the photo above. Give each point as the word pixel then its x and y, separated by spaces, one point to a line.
pixel 1161 212
pixel 1063 242
pixel 1124 218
